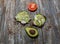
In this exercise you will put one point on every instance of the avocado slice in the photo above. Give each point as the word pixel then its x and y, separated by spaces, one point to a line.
pixel 23 17
pixel 32 32
pixel 39 20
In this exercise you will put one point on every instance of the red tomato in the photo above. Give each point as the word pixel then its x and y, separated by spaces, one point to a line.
pixel 32 6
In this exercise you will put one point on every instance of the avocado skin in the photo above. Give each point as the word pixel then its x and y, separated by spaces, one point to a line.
pixel 31 34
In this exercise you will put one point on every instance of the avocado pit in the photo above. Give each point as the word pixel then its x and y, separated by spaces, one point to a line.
pixel 32 32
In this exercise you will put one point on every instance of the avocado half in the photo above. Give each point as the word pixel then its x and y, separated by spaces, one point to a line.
pixel 39 20
pixel 32 32
pixel 23 17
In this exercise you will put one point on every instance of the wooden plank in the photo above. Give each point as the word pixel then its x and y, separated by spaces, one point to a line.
pixel 50 29
pixel 2 12
pixel 9 17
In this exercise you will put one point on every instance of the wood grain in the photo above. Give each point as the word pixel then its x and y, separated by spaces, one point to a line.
pixel 12 32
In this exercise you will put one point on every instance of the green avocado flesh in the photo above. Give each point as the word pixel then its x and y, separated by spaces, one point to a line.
pixel 23 17
pixel 32 32
pixel 39 20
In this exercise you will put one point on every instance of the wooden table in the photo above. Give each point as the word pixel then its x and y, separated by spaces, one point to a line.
pixel 12 32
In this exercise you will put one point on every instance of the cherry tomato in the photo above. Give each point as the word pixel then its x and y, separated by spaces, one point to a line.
pixel 32 6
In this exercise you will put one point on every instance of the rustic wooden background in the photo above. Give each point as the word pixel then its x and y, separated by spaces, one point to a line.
pixel 12 32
